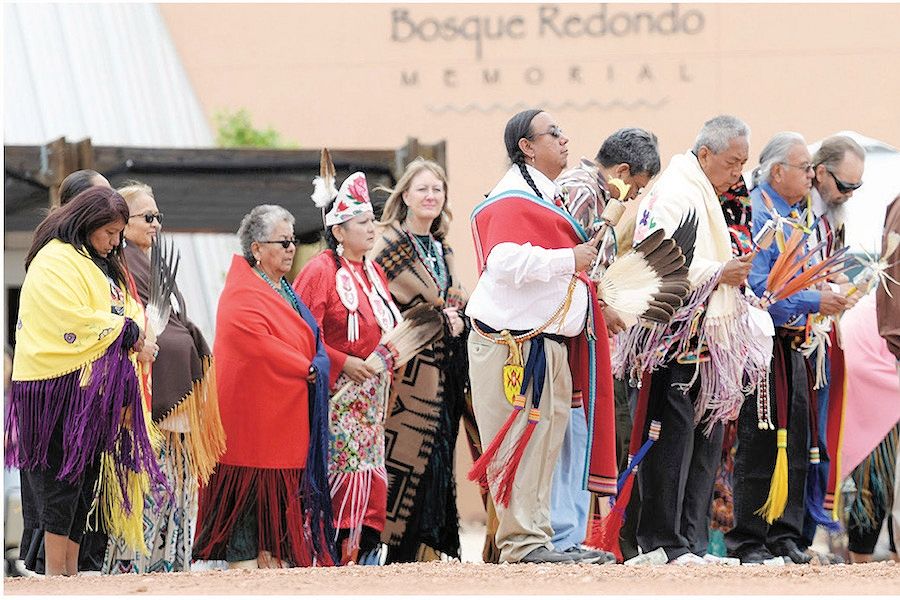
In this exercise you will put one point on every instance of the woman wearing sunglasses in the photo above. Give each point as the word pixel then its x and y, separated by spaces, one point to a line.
pixel 267 504
pixel 348 295
pixel 184 407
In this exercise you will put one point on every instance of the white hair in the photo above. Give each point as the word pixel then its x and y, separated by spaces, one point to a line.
pixel 717 133
pixel 258 225
pixel 775 152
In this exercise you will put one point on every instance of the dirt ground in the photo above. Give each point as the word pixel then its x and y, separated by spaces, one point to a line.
pixel 456 578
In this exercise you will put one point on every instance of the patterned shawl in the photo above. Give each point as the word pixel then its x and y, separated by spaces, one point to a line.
pixel 419 392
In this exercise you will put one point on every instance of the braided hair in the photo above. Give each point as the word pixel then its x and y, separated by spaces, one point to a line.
pixel 517 128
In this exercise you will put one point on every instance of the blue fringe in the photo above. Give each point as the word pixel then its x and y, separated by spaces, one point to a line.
pixel 816 483
pixel 641 453
pixel 314 487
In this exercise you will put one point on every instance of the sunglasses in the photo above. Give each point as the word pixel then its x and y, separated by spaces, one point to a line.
pixel 554 132
pixel 843 187
pixel 284 243
pixel 148 217
pixel 805 167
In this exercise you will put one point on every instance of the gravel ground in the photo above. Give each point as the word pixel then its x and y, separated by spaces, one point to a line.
pixel 454 578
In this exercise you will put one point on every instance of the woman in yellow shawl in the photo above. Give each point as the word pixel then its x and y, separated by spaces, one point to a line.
pixel 75 394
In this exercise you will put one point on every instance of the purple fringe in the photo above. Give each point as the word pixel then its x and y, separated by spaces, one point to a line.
pixel 92 420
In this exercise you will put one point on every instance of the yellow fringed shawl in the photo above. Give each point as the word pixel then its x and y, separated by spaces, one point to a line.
pixel 64 286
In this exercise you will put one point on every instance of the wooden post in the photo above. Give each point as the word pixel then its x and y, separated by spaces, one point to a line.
pixel 85 150
pixel 59 158
pixel 413 149
pixel 53 167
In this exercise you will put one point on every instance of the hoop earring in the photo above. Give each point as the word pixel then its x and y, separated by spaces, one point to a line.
pixel 340 249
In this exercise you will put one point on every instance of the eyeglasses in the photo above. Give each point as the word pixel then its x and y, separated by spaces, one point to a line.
pixel 843 187
pixel 804 167
pixel 554 131
pixel 284 243
pixel 149 217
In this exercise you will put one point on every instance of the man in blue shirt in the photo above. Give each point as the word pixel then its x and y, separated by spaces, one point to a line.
pixel 784 174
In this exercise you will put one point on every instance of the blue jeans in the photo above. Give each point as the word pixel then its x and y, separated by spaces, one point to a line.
pixel 569 501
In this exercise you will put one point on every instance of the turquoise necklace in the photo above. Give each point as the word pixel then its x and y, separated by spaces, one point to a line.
pixel 434 264
pixel 285 291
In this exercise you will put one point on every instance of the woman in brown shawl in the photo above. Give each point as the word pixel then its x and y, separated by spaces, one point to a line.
pixel 429 398
pixel 184 405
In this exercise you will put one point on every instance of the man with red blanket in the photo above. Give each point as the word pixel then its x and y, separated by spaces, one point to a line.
pixel 534 343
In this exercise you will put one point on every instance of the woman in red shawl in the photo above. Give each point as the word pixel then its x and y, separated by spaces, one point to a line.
pixel 268 500
pixel 348 295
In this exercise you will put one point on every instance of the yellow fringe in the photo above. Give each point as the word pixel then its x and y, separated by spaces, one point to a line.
pixel 109 508
pixel 838 453
pixel 119 523
pixel 205 442
pixel 778 490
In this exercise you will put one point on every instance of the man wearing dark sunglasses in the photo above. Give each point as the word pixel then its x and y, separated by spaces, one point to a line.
pixel 838 169
pixel 838 165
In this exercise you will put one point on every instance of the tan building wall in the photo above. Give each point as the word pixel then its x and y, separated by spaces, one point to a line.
pixel 369 75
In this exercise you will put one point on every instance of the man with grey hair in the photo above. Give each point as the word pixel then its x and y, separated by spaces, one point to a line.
pixel 838 169
pixel 838 165
pixel 766 524
pixel 695 384
pixel 630 155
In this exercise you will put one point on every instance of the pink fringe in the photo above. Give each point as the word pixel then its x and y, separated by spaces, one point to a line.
pixel 646 347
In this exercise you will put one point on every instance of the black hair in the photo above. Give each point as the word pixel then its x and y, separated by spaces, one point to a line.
pixel 636 147
pixel 74 223
pixel 75 183
pixel 517 128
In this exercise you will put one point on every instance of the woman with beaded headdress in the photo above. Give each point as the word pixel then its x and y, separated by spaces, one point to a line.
pixel 267 503
pixel 418 262
pixel 348 294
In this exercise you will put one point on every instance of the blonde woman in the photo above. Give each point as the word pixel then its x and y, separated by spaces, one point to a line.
pixel 184 405
pixel 429 399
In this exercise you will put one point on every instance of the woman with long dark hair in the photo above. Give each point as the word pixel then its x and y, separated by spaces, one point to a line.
pixel 75 394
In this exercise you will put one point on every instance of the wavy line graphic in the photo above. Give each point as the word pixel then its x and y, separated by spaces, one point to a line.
pixel 567 105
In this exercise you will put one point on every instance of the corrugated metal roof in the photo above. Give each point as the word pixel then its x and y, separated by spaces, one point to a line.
pixel 105 71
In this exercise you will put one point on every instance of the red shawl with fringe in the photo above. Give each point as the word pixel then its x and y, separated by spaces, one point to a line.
pixel 263 351
pixel 520 218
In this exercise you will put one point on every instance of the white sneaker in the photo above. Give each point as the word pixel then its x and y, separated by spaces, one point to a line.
pixel 656 557
pixel 778 561
pixel 721 560
pixel 688 559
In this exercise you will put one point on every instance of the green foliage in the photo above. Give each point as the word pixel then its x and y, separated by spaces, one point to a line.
pixel 235 130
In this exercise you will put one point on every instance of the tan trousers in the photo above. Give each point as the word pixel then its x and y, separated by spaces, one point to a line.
pixel 525 524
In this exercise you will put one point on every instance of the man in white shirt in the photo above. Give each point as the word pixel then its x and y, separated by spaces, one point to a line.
pixel 530 251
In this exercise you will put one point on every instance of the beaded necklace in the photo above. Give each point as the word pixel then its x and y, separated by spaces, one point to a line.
pixel 434 264
pixel 286 291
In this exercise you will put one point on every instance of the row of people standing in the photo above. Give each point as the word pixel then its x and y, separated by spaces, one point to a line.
pixel 315 492
pixel 358 490
pixel 717 367
pixel 152 527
